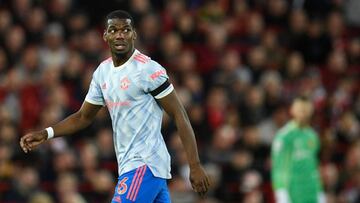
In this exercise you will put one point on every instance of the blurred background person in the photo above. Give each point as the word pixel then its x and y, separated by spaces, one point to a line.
pixel 294 155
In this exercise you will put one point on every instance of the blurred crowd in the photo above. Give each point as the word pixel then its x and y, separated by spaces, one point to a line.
pixel 236 65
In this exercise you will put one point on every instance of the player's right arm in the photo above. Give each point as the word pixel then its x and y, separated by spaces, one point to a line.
pixel 69 125
pixel 94 100
pixel 281 158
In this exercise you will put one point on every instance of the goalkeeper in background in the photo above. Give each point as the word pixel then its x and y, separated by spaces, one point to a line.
pixel 295 175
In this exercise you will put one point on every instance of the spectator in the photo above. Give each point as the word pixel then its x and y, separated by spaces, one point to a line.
pixel 25 184
pixel 316 44
pixel 40 198
pixel 35 25
pixel 53 54
pixel 5 22
pixel 14 42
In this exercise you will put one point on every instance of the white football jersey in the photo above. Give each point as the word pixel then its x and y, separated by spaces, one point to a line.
pixel 129 92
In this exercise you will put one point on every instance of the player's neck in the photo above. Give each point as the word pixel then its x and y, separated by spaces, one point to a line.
pixel 301 124
pixel 119 59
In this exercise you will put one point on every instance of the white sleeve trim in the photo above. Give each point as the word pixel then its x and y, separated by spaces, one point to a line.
pixel 321 197
pixel 282 196
pixel 166 92
pixel 94 102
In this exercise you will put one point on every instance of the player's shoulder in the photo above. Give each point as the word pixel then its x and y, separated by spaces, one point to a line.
pixel 141 58
pixel 146 64
pixel 104 65
pixel 145 61
pixel 106 62
pixel 312 131
pixel 285 131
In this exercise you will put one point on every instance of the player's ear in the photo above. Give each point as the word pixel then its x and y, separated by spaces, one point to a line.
pixel 104 36
pixel 135 35
pixel 292 110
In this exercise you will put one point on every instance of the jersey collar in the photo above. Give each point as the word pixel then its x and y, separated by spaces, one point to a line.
pixel 296 125
pixel 127 62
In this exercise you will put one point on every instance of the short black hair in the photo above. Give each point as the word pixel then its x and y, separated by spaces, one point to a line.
pixel 119 14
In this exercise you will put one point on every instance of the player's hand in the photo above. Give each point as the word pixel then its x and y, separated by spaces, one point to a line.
pixel 31 140
pixel 200 181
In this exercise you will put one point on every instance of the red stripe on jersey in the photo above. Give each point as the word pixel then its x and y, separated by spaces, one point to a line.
pixel 142 56
pixel 140 59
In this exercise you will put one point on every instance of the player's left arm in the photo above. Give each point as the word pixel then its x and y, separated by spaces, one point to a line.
pixel 198 177
pixel 154 80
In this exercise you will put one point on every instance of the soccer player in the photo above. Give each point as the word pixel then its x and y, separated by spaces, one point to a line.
pixel 295 176
pixel 135 90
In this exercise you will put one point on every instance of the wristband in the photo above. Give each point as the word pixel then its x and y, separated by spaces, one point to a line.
pixel 50 132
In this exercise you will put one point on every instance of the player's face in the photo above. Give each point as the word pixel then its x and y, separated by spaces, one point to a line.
pixel 120 36
pixel 302 111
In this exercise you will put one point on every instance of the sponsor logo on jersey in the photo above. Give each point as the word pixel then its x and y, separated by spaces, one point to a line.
pixel 311 144
pixel 111 104
pixel 157 74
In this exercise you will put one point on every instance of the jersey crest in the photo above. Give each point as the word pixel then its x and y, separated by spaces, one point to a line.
pixel 124 83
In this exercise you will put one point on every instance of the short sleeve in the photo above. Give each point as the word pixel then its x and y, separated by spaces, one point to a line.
pixel 154 80
pixel 94 95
